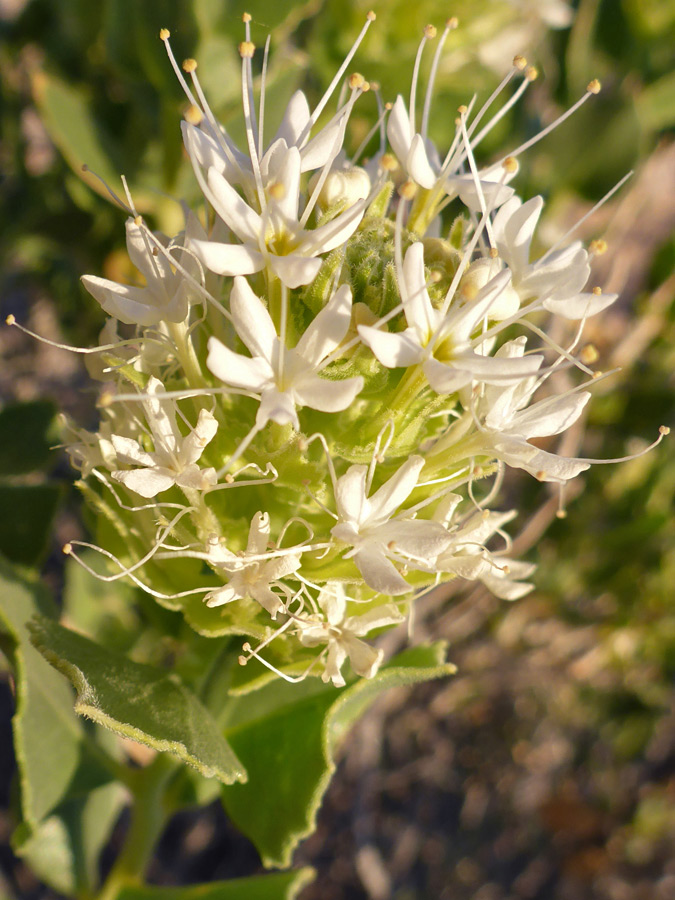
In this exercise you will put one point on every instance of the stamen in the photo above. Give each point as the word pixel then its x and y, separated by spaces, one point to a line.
pixel 449 25
pixel 261 107
pixel 246 50
pixel 120 203
pixel 429 33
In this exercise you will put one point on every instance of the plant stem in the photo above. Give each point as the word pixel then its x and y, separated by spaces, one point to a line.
pixel 148 817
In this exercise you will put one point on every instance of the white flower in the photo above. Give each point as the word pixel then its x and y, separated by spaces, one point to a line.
pixel 252 577
pixel 558 277
pixel 467 557
pixel 508 423
pixel 443 345
pixel 366 524
pixel 274 237
pixel 174 459
pixel 343 634
pixel 285 378
pixel 166 295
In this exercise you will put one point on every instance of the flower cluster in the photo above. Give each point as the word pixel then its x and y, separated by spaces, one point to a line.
pixel 316 387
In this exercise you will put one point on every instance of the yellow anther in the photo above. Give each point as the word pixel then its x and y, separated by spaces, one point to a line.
pixel 365 86
pixel 462 110
pixel 589 354
pixel 594 86
pixel 429 32
pixel 229 478
pixel 105 399
pixel 67 549
pixel 164 34
pixel 494 253
pixel 189 65
pixel 407 190
pixel 598 374
pixel 510 165
pixel 561 514
pixel 388 106
pixel 519 62
pixel 10 320
pixel 469 291
pixel 452 23
pixel 664 430
pixel 531 73
pixel 246 18
pixel 242 660
pixel 371 16
pixel 391 545
pixel 597 291
pixel 246 49
pixel 375 86
pixel 277 190
pixel 540 475
pixel 356 80
pixel 138 220
pixel 598 247
pixel 193 115
pixel 246 647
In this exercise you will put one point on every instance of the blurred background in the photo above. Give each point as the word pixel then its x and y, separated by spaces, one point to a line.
pixel 546 768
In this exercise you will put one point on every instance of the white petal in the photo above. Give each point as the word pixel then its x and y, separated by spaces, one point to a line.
pixel 350 494
pixel 379 573
pixel 445 379
pixel 324 147
pixel 334 233
pixel 155 268
pixel 326 395
pixel 515 224
pixel 377 617
pixel 492 193
pixel 221 596
pixel 580 306
pixel 229 259
pixel 252 321
pixel 393 350
pixel 296 117
pixel 549 416
pixel 419 312
pixel 364 659
pixel 237 370
pixel 288 176
pixel 265 596
pixel 205 151
pixel 258 533
pixel 129 452
pixel 193 445
pixel 328 328
pixel 419 538
pixel 393 492
pixel 146 482
pixel 131 305
pixel 544 466
pixel 195 478
pixel 417 163
pixel 295 270
pixel 245 222
pixel 398 130
pixel 276 406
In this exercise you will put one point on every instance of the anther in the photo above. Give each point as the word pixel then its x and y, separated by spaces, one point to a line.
pixel 519 62
pixel 138 220
pixel 391 545
pixel 246 49
pixel 597 374
pixel 388 106
pixel 597 291
pixel 462 110
pixel 189 65
pixel 164 34
pixel 594 86
pixel 229 478
pixel 277 190
pixel 246 18
pixel 664 430
pixel 561 514
pixel 429 32
pixel 531 73
pixel 407 190
pixel 67 549
pixel 452 23
pixel 589 354
pixel 598 247
pixel 246 647
pixel 388 162
pixel 10 320
pixel 356 80
pixel 242 660
pixel 494 253
pixel 510 165
pixel 193 115
pixel 540 475
pixel 371 16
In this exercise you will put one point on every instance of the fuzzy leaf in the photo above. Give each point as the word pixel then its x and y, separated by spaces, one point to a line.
pixel 138 701
pixel 280 886
pixel 287 741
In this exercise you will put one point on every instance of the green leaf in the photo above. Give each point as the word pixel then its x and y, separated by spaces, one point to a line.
pixel 287 740
pixel 44 716
pixel 26 437
pixel 138 701
pixel 656 103
pixel 26 526
pixel 64 850
pixel 280 886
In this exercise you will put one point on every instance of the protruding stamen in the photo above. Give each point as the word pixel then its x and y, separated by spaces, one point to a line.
pixel 429 32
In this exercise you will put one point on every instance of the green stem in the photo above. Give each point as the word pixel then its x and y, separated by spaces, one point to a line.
pixel 148 817
pixel 186 354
